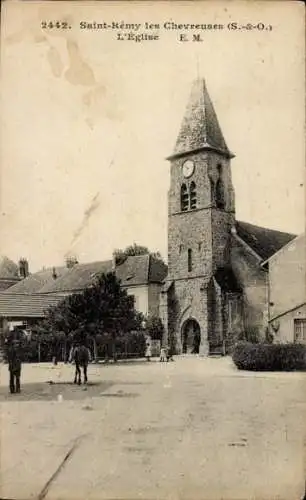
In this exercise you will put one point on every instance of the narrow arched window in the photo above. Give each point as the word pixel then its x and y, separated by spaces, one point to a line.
pixel 212 191
pixel 193 196
pixel 220 194
pixel 184 198
pixel 220 190
pixel 189 260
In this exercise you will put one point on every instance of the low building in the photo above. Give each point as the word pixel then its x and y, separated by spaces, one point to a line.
pixel 287 292
pixel 24 309
pixel 141 276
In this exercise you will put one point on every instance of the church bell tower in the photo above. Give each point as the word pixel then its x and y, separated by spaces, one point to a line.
pixel 201 212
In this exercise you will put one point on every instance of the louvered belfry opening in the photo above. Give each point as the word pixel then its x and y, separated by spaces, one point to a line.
pixel 184 198
pixel 193 196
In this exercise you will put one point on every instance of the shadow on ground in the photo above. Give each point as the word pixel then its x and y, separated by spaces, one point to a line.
pixel 124 362
pixel 49 391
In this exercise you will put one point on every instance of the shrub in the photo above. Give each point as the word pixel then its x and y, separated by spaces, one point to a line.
pixel 269 357
pixel 155 327
pixel 127 345
pixel 131 344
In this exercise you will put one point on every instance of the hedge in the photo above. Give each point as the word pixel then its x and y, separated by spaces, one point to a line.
pixel 269 357
pixel 129 345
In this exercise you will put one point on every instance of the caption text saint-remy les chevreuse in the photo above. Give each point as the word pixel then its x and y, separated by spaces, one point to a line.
pixel 168 25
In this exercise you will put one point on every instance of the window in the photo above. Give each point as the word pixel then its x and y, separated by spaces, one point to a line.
pixel 220 190
pixel 300 331
pixel 184 198
pixel 220 194
pixel 212 190
pixel 189 260
pixel 193 196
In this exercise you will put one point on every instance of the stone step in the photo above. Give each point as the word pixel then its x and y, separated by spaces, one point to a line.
pixel 216 351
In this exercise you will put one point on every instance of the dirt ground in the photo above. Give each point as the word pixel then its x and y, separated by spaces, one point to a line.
pixel 192 429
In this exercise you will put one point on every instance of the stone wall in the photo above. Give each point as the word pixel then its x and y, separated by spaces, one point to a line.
pixel 153 298
pixel 221 223
pixel 189 231
pixel 188 300
pixel 254 283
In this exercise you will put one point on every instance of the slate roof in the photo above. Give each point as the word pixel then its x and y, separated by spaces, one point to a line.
pixel 34 282
pixel 77 278
pixel 137 270
pixel 26 306
pixel 8 268
pixel 265 242
pixel 157 271
pixel 140 270
pixel 200 127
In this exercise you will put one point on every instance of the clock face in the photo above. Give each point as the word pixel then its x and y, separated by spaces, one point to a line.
pixel 188 168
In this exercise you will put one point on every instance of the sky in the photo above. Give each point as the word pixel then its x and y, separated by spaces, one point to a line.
pixel 88 120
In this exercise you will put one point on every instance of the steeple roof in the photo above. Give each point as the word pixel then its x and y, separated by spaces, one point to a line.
pixel 200 128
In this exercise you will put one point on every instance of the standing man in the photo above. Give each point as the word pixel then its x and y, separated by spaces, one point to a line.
pixel 14 365
pixel 81 356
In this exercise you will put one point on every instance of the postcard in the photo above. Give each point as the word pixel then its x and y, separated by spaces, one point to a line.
pixel 152 261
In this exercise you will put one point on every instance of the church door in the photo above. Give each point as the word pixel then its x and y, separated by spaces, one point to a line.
pixel 191 337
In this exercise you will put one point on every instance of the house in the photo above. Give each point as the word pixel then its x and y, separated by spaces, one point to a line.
pixel 24 309
pixel 216 290
pixel 287 292
pixel 141 276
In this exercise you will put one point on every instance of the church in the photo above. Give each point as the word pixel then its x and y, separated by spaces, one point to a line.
pixel 226 280
pixel 216 291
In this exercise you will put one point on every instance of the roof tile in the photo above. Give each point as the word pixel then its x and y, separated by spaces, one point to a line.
pixel 26 306
pixel 34 282
pixel 265 242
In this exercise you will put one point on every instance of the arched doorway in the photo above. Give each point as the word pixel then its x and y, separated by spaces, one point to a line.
pixel 191 337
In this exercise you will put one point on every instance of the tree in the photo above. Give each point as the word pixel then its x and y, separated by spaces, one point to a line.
pixel 155 327
pixel 104 309
pixel 121 255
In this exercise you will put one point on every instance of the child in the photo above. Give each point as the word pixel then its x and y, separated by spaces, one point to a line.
pixel 148 353
pixel 14 365
pixel 162 354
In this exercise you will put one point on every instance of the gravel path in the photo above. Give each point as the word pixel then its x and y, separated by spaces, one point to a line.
pixel 192 429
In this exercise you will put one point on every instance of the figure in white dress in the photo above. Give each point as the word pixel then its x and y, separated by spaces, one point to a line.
pixel 148 353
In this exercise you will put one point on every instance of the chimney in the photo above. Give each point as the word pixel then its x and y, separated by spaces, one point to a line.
pixel 114 259
pixel 23 268
pixel 71 261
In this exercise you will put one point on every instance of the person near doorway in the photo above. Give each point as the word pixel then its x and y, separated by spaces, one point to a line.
pixel 169 353
pixel 196 343
pixel 14 356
